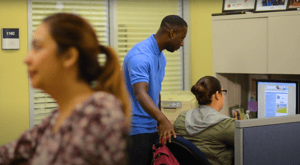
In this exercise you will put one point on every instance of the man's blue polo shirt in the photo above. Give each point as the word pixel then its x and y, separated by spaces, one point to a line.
pixel 144 63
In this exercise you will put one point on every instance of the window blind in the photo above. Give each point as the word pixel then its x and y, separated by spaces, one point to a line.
pixel 95 11
pixel 137 20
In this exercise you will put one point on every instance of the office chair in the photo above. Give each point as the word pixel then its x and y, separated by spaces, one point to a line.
pixel 186 152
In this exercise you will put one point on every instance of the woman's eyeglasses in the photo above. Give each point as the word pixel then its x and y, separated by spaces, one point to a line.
pixel 224 92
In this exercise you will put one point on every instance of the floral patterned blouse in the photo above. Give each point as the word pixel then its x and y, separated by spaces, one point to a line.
pixel 93 134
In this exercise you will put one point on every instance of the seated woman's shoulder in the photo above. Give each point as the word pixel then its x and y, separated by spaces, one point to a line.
pixel 182 115
pixel 180 120
pixel 228 122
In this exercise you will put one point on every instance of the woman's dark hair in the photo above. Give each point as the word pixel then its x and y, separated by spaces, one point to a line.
pixel 205 88
pixel 70 30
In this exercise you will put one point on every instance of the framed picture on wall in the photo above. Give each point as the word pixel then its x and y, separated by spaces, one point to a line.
pixel 294 5
pixel 270 5
pixel 238 5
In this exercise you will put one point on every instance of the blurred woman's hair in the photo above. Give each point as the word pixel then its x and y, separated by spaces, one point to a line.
pixel 205 88
pixel 70 30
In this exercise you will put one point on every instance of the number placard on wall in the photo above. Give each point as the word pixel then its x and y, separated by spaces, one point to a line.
pixel 10 38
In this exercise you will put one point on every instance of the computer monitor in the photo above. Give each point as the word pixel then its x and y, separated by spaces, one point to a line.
pixel 277 98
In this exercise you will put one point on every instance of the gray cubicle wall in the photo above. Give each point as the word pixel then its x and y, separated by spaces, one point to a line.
pixel 264 141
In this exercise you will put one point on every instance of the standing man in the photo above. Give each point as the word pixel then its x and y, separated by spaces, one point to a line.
pixel 144 69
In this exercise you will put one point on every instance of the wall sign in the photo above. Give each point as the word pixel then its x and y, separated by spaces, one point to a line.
pixel 10 38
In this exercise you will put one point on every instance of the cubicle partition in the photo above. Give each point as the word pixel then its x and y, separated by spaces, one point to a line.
pixel 262 141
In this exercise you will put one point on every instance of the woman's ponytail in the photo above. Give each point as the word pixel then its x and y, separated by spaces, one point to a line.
pixel 111 80
pixel 70 30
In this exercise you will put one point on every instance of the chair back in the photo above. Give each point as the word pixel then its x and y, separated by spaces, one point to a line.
pixel 186 152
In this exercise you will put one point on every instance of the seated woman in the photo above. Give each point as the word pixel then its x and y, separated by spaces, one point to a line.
pixel 91 122
pixel 204 126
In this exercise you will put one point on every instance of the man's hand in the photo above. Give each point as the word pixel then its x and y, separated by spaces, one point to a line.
pixel 166 129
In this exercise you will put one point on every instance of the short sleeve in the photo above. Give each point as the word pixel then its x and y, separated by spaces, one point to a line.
pixel 139 69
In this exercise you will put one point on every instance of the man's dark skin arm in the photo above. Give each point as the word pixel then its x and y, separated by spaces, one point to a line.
pixel 159 103
pixel 165 126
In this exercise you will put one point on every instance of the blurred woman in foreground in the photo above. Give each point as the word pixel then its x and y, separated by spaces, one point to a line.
pixel 88 127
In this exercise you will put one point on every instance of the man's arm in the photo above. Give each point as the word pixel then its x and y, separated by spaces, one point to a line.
pixel 165 126
pixel 159 103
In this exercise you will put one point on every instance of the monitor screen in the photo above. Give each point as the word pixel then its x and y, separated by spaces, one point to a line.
pixel 235 5
pixel 276 98
pixel 270 5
